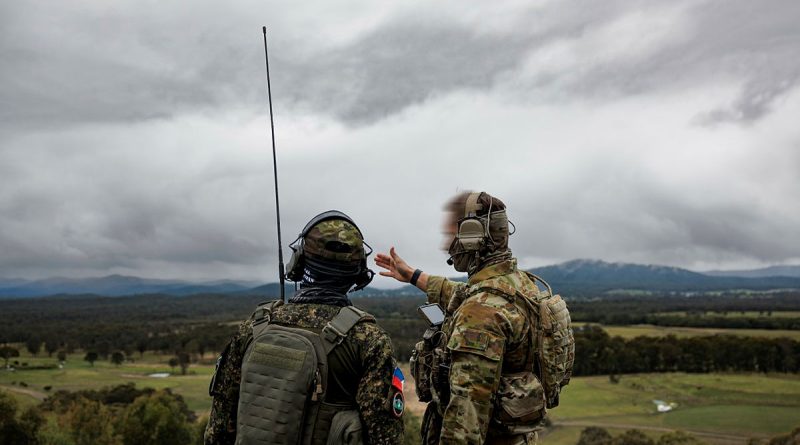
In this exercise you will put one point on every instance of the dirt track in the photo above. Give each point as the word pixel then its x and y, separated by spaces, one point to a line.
pixel 28 392
pixel 715 437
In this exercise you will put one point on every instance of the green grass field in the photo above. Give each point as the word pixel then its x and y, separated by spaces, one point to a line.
pixel 661 331
pixel 743 405
pixel 719 408
pixel 78 374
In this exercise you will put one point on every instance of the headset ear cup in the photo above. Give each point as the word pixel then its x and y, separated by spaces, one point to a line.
pixel 364 278
pixel 471 234
pixel 296 266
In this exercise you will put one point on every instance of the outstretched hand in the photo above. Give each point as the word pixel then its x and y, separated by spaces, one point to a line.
pixel 395 267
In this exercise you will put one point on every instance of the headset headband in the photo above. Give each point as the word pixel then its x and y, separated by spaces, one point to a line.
pixel 472 205
pixel 324 216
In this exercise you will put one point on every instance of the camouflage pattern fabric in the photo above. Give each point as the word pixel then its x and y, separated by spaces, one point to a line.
pixel 374 349
pixel 335 239
pixel 487 334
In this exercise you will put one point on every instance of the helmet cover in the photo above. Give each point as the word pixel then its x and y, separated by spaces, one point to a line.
pixel 336 240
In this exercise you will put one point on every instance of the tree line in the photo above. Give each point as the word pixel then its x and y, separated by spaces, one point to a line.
pixel 708 311
pixel 200 325
pixel 597 353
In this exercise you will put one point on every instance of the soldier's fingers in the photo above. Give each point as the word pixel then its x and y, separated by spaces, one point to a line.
pixel 394 255
pixel 383 259
pixel 387 274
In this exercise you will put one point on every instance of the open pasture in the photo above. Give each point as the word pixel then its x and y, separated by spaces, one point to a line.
pixel 78 375
pixel 648 330
pixel 718 408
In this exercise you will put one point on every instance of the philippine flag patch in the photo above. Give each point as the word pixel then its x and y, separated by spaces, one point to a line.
pixel 398 380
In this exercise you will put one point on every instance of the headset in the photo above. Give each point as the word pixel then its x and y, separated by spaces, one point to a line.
pixel 473 230
pixel 296 266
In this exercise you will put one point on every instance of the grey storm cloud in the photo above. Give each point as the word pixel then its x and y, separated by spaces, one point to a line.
pixel 110 67
pixel 132 137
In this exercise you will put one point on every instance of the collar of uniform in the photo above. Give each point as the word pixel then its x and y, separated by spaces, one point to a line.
pixel 495 270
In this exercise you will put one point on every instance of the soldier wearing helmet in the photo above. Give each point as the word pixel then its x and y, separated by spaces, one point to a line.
pixel 488 372
pixel 315 369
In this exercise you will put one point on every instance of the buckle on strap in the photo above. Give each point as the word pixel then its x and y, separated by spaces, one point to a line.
pixel 335 331
pixel 333 335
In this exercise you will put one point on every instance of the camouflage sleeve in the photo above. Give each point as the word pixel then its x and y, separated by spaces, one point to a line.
pixel 477 346
pixel 224 389
pixel 375 389
pixel 441 290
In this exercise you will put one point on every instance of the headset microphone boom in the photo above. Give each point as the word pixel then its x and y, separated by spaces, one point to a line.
pixel 275 170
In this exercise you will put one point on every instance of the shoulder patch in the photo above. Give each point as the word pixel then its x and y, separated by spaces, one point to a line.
pixel 477 341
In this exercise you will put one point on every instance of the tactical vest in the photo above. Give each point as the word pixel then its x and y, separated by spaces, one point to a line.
pixel 284 383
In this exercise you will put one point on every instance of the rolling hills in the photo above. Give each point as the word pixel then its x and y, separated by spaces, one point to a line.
pixel 571 277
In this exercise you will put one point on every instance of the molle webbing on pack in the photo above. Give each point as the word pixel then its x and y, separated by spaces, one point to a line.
pixel 285 377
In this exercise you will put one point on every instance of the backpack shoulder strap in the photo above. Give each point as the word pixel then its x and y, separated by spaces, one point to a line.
pixel 263 314
pixel 536 278
pixel 336 330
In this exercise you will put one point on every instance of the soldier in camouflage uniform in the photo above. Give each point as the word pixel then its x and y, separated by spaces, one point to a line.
pixel 488 338
pixel 361 367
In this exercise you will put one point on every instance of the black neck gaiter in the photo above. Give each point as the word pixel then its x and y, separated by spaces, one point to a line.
pixel 320 295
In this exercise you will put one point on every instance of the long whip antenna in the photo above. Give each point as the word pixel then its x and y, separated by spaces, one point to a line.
pixel 275 169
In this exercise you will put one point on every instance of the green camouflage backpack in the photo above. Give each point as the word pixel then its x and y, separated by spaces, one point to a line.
pixel 553 340
pixel 284 381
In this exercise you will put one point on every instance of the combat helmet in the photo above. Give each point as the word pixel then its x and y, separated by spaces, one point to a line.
pixel 331 244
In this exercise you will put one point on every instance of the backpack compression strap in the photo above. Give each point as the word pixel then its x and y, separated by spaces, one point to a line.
pixel 336 330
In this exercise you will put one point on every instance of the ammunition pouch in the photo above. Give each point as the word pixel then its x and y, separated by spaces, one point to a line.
pixel 520 403
pixel 420 363
pixel 430 367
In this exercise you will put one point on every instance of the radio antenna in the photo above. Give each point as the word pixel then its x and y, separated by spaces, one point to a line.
pixel 275 170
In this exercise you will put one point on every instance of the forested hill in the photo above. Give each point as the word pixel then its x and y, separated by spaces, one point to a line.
pixel 594 276
pixel 577 277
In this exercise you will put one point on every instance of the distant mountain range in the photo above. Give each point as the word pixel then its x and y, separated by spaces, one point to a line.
pixel 571 277
pixel 772 271
pixel 116 285
pixel 594 276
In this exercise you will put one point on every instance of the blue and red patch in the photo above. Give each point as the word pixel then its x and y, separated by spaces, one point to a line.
pixel 398 380
pixel 398 401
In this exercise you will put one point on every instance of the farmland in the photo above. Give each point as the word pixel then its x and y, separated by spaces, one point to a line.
pixel 638 330
pixel 713 406
pixel 721 406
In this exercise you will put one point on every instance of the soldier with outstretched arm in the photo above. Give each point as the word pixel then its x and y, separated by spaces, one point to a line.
pixel 494 372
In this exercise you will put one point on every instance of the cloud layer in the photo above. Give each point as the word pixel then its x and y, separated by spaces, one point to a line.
pixel 134 137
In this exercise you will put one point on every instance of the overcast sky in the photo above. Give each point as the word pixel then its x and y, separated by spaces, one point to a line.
pixel 134 135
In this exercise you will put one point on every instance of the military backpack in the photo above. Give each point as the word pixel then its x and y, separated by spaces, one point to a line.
pixel 284 381
pixel 553 340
